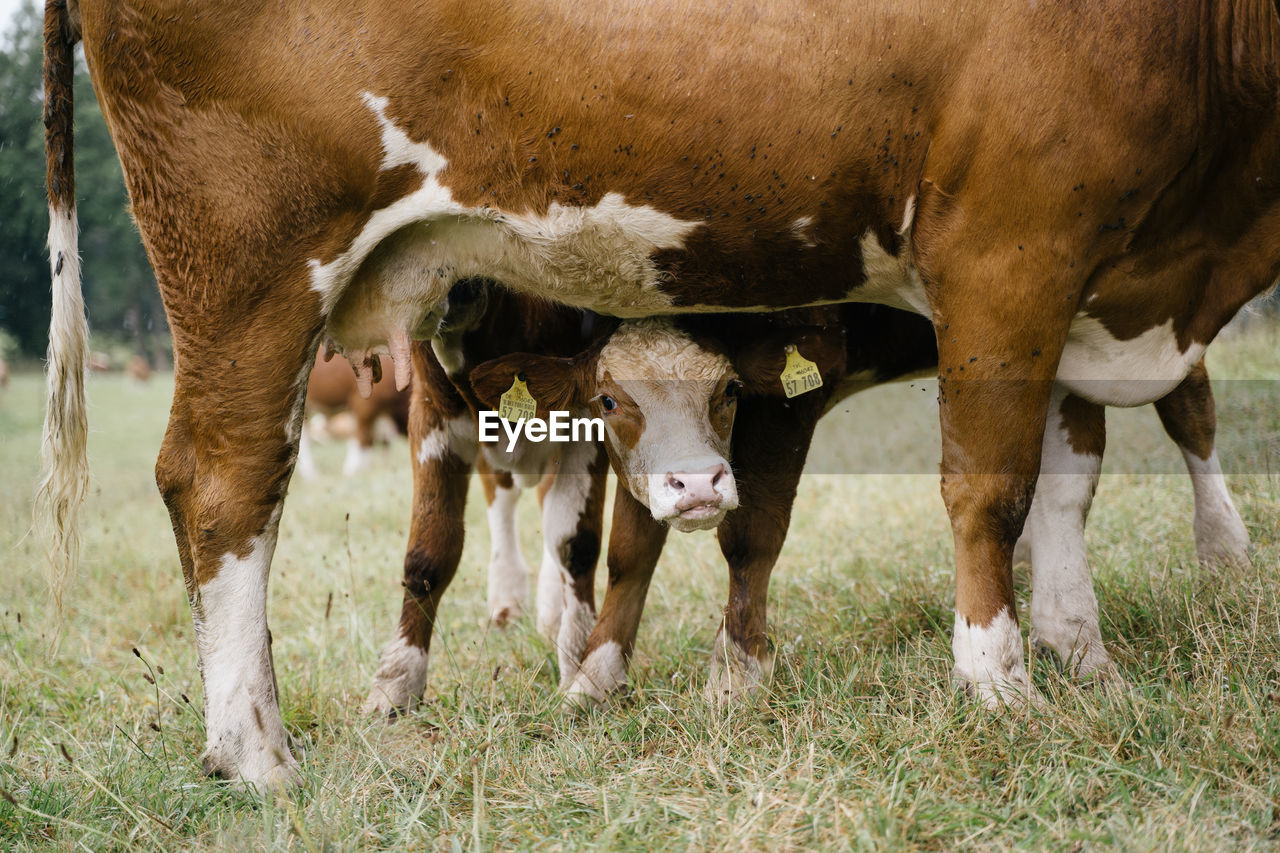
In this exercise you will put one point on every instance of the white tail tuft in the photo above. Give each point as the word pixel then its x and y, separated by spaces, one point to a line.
pixel 63 451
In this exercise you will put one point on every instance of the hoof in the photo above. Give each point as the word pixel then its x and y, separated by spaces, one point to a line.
pixel 502 615
pixel 602 674
pixel 735 673
pixel 399 681
pixel 266 770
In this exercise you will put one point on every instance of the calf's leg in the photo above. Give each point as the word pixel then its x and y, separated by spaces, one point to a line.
pixel 1189 417
pixel 635 543
pixel 508 572
pixel 751 536
pixel 572 519
pixel 1064 611
pixel 443 446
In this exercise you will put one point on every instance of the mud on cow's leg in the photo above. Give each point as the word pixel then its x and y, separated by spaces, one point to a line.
pixel 1064 610
pixel 1190 419
pixel 508 572
pixel 751 537
pixel 223 470
pixel 443 446
pixel 572 519
pixel 635 543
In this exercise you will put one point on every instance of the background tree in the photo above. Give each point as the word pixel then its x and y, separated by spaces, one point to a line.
pixel 119 287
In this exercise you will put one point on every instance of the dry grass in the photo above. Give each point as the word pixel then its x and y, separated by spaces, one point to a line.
pixel 859 742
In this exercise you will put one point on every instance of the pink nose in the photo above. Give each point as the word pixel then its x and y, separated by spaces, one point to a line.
pixel 697 488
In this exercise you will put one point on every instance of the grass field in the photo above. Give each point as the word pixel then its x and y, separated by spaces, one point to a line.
pixel 858 743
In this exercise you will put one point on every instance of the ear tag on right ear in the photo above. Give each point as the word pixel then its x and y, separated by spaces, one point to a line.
pixel 799 374
pixel 516 403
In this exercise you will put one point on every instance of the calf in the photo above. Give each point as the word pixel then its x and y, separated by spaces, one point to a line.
pixel 770 441
pixel 331 389
pixel 480 323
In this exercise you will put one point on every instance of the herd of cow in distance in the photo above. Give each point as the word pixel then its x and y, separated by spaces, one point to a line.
pixel 697 225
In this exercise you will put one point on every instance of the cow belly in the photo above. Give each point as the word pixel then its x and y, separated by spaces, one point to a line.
pixel 1099 367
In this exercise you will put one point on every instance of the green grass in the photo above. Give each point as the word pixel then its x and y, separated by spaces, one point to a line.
pixel 858 742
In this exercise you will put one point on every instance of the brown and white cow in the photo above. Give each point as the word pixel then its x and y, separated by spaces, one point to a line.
pixel 770 440
pixel 482 322
pixel 331 389
pixel 1076 191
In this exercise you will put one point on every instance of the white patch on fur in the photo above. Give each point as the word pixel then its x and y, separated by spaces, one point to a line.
pixel 603 672
pixel 671 379
pixel 410 253
pixel 400 679
pixel 1221 537
pixel 800 228
pixel 358 458
pixel 1064 610
pixel 449 352
pixel 508 572
pixel 908 217
pixel 551 595
pixel 576 622
pixel 562 507
pixel 890 279
pixel 989 660
pixel 244 732
pixel 431 199
pixel 457 436
pixel 1099 367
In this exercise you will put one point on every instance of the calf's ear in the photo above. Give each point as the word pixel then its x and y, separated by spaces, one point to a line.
pixel 760 363
pixel 555 383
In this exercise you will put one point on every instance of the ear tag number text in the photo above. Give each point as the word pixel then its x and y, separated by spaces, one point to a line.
pixel 517 403
pixel 799 375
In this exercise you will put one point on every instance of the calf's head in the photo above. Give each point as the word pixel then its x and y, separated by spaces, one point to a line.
pixel 668 403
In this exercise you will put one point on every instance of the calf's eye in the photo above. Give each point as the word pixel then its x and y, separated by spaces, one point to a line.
pixel 733 389
pixel 608 403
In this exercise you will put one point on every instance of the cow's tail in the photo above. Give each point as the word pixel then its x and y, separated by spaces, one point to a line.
pixel 65 465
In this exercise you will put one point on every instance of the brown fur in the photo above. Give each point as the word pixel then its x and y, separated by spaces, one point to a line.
pixel 1188 413
pixel 1164 205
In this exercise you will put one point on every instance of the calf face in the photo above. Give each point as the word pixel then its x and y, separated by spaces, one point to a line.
pixel 667 401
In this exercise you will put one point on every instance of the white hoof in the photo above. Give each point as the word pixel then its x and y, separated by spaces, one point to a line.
pixel 399 681
pixel 989 663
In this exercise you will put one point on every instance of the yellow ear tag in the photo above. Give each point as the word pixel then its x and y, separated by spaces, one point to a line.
pixel 799 374
pixel 517 403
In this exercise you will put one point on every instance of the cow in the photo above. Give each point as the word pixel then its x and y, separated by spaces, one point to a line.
pixel 770 438
pixel 1081 192
pixel 138 369
pixel 332 388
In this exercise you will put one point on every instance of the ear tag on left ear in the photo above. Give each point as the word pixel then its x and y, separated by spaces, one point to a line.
pixel 799 374
pixel 516 403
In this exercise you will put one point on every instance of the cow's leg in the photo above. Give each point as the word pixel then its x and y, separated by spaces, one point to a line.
pixel 635 543
pixel 751 536
pixel 550 593
pixel 442 443
pixel 1188 415
pixel 360 446
pixel 223 470
pixel 572 518
pixel 508 572
pixel 306 459
pixel 1064 611
pixel 998 355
